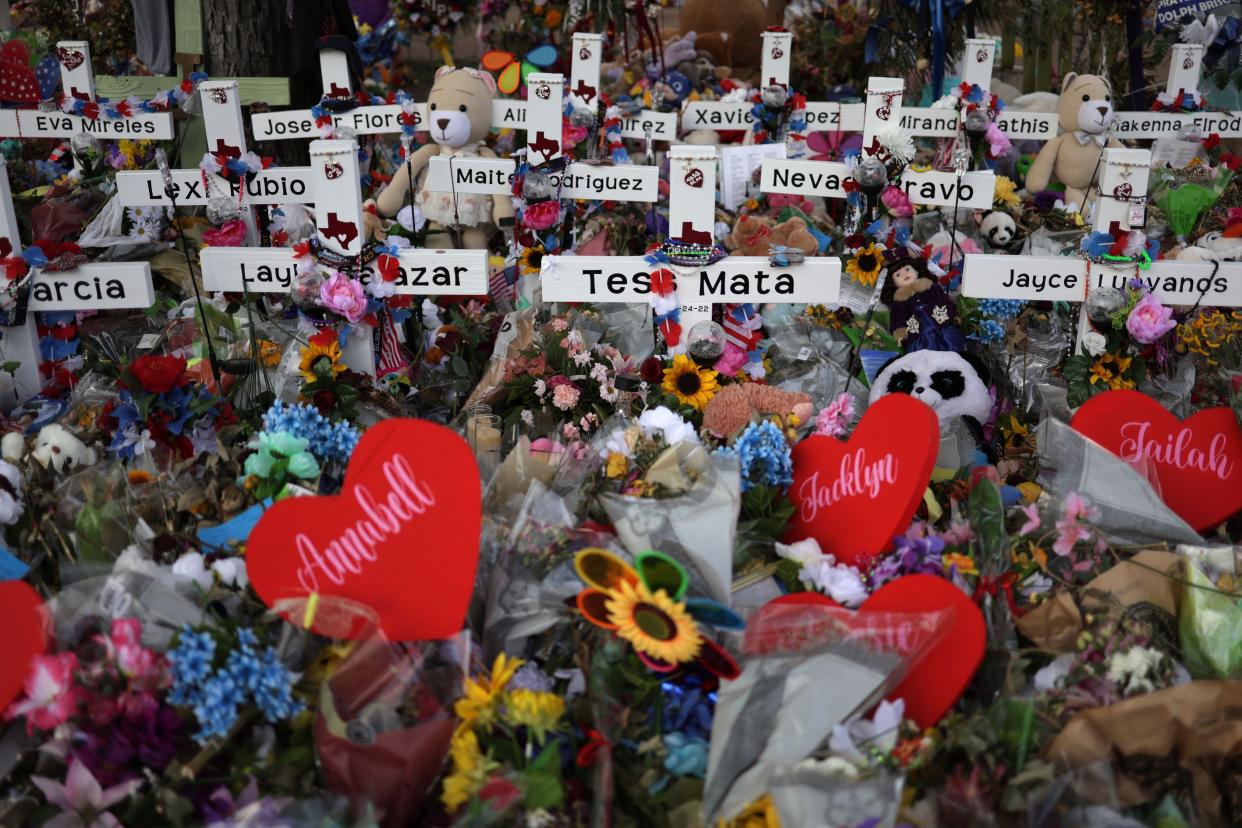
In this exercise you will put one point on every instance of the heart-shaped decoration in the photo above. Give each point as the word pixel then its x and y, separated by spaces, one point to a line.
pixel 855 497
pixel 543 92
pixel 25 636
pixel 939 678
pixel 777 53
pixel 69 58
pixel 1123 190
pixel 333 170
pixel 219 96
pixel 981 56
pixel 1188 63
pixel 1196 462
pixel 584 53
pixel 402 537
pixel 694 178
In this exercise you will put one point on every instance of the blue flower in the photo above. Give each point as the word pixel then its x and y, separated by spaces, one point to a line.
pixel 327 441
pixel 763 455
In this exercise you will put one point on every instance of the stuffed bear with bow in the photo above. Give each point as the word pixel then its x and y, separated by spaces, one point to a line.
pixel 1085 112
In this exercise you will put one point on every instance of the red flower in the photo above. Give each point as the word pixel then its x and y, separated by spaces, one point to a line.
pixel 158 374
pixel 652 370
pixel 1212 141
pixel 325 337
pixel 325 401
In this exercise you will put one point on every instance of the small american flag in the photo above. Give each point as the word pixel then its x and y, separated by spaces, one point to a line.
pixel 741 325
pixel 501 282
pixel 391 360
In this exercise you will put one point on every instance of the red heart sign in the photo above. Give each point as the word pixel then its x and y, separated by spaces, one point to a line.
pixel 855 497
pixel 1123 191
pixel 24 636
pixel 694 178
pixel 69 58
pixel 938 680
pixel 333 170
pixel 1196 462
pixel 402 537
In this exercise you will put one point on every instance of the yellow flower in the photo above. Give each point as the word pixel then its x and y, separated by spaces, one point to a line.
pixel 315 351
pixel 1099 372
pixel 537 711
pixel 690 384
pixel 269 353
pixel 1006 192
pixel 866 264
pixel 470 770
pixel 477 708
pixel 759 814
pixel 617 465
pixel 653 623
pixel 964 563
pixel 531 260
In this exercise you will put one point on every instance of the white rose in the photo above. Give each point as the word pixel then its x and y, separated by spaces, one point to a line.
pixel 1094 343
pixel 232 572
pixel 190 565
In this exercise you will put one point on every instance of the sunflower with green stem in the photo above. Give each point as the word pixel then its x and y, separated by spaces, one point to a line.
pixel 690 384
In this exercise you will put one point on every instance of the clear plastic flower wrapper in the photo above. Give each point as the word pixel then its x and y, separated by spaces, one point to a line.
pixel 805 668
pixel 1130 509
pixel 384 715
pixel 532 574
pixel 1210 625
pixel 697 526
pixel 807 795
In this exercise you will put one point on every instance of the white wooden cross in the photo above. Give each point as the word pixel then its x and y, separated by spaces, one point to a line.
pixel 1123 188
pixel 90 286
pixel 226 135
pixel 978 58
pixel 334 180
pixel 774 70
pixel 373 119
pixel 1185 66
pixel 692 217
pixel 973 190
pixel 78 81
pixel 545 110
pixel 584 80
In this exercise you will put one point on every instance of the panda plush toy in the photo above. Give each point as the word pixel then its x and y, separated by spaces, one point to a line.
pixel 953 384
pixel 998 229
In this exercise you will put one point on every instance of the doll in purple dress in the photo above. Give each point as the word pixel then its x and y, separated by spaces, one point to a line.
pixel 921 314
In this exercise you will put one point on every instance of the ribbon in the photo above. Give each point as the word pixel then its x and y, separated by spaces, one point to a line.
pixel 871 45
pixel 993 586
pixel 937 13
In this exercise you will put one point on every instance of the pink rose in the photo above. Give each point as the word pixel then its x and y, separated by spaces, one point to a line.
pixel 230 234
pixel 342 295
pixel 896 202
pixel 1150 320
pixel 541 216
pixel 731 361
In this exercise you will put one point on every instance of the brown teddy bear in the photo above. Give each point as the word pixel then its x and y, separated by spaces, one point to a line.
pixel 459 111
pixel 1085 111
pixel 793 233
pixel 751 236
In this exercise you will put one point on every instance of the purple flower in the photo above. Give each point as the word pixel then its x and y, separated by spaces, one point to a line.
pixel 146 738
pixel 909 556
pixel 1150 320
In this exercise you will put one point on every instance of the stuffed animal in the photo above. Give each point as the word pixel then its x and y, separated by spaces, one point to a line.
pixel 730 31
pixel 922 315
pixel 734 405
pixel 793 233
pixel 1224 247
pixel 459 111
pixel 997 228
pixel 1085 111
pixel 751 236
pixel 952 383
pixel 59 447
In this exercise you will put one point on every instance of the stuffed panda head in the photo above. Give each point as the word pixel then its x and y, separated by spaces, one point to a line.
pixel 953 384
pixel 998 228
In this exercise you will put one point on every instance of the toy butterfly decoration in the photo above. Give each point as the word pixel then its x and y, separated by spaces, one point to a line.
pixel 511 73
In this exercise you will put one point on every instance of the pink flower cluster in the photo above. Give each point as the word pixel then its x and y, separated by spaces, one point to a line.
pixel 834 418
pixel 1069 530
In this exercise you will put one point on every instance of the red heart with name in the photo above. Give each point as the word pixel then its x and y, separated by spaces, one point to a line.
pixel 777 53
pixel 25 636
pixel 402 537
pixel 855 497
pixel 694 178
pixel 1122 191
pixel 69 58
pixel 938 679
pixel 1195 462
pixel 333 170
pixel 981 56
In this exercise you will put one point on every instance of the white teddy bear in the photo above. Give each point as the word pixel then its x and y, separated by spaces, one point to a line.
pixel 58 446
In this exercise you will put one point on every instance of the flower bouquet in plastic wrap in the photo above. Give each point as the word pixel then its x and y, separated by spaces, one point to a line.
pixel 807 668
pixel 384 712
pixel 1210 625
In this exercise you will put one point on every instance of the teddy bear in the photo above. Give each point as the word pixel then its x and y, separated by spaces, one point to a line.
pixel 459 114
pixel 59 447
pixel 1084 111
pixel 793 232
pixel 751 236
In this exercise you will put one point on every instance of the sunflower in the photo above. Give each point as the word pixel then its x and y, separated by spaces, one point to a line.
pixel 690 384
pixel 1006 193
pixel 653 623
pixel 315 351
pixel 471 768
pixel 864 268
pixel 531 260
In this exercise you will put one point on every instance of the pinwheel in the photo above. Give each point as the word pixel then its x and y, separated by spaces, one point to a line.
pixel 645 606
pixel 511 72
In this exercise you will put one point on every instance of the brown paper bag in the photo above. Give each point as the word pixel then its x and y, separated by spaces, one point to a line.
pixel 1184 741
pixel 1145 589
